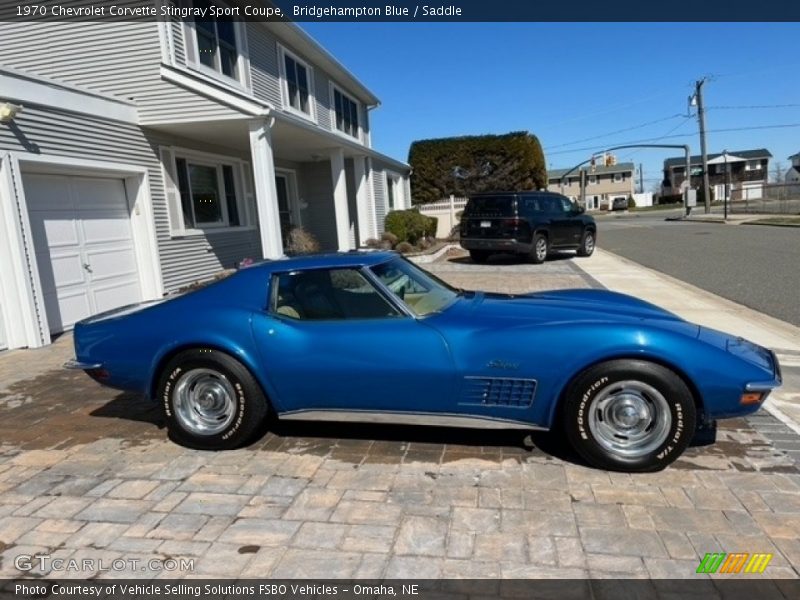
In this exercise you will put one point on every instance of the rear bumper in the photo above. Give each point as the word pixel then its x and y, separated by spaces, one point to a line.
pixel 497 245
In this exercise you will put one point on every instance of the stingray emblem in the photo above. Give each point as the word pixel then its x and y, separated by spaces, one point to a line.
pixel 503 364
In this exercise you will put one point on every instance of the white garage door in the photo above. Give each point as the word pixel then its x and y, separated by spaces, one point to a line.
pixel 3 341
pixel 84 247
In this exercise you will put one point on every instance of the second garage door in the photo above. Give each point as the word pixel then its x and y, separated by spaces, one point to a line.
pixel 84 246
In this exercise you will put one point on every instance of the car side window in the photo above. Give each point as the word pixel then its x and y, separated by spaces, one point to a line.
pixel 328 295
pixel 566 205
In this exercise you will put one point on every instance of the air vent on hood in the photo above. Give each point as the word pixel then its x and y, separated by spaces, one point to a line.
pixel 498 391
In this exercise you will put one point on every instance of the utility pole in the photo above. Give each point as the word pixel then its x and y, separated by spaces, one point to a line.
pixel 641 179
pixel 701 119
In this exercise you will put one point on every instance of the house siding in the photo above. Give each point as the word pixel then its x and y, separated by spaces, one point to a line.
pixel 71 52
pixel 59 133
pixel 316 190
pixel 3 340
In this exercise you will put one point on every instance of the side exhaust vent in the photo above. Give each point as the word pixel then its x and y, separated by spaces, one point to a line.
pixel 498 391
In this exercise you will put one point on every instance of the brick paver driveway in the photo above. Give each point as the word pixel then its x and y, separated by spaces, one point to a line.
pixel 87 472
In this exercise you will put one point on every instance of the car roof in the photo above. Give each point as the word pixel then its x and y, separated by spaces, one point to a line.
pixel 518 193
pixel 326 260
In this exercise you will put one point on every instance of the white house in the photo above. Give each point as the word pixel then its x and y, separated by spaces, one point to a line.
pixel 146 156
pixel 793 174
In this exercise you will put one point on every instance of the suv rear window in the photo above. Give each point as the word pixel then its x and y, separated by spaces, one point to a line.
pixel 490 206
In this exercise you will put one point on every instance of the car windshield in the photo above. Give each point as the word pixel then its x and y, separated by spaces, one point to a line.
pixel 423 293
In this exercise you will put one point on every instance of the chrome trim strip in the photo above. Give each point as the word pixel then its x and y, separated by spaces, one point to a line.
pixel 76 365
pixel 762 386
pixel 403 418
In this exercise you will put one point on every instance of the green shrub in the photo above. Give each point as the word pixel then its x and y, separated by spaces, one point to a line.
pixel 485 163
pixel 631 202
pixel 372 243
pixel 410 225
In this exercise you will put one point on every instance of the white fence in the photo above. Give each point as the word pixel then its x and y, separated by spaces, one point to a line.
pixel 446 212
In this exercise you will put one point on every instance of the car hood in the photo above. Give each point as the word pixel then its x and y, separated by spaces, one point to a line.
pixel 577 305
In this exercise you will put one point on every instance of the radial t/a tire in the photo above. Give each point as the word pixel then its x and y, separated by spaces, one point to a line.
pixel 629 415
pixel 540 247
pixel 210 400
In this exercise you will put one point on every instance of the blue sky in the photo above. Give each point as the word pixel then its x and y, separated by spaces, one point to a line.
pixel 566 82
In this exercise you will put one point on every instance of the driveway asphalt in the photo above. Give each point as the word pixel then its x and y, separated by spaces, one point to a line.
pixel 87 472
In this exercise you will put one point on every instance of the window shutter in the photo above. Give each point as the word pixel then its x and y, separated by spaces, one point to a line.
pixel 171 192
pixel 249 194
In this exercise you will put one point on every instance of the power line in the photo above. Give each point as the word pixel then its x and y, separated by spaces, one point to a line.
pixel 683 135
pixel 744 107
pixel 678 126
pixel 610 133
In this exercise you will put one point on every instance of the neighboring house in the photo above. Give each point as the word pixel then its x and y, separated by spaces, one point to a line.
pixel 148 156
pixel 749 171
pixel 603 184
pixel 793 174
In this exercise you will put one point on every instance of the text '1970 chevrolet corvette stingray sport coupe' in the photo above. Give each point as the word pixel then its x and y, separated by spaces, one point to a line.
pixel 371 337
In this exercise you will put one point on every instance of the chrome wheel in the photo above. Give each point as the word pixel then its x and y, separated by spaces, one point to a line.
pixel 630 418
pixel 541 249
pixel 588 244
pixel 204 401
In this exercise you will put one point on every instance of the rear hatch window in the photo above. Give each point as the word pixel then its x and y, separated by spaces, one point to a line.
pixel 491 206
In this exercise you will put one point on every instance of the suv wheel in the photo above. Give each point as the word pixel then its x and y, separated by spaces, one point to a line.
pixel 479 256
pixel 587 244
pixel 539 248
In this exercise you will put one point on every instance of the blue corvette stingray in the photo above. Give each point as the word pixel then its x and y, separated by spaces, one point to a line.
pixel 371 337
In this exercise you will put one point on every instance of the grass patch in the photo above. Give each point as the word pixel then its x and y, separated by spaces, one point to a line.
pixel 779 221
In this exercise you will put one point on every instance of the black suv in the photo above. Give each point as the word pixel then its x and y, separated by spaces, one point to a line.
pixel 529 223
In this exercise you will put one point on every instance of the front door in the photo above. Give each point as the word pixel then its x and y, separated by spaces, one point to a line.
pixel 287 204
pixel 331 341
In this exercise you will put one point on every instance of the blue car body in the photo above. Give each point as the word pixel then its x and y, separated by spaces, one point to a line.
pixel 504 360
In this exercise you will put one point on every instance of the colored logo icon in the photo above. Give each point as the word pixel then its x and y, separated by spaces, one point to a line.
pixel 741 562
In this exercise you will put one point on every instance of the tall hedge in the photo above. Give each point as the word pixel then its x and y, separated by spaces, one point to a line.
pixel 478 163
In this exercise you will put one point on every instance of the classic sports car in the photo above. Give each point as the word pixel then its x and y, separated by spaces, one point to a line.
pixel 370 337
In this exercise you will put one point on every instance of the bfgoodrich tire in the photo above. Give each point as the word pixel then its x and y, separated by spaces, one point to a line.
pixel 629 415
pixel 588 242
pixel 210 400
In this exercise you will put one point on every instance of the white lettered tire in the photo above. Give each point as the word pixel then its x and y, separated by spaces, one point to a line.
pixel 629 415
pixel 210 400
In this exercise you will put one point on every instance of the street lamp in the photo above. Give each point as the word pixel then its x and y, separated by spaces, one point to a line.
pixel 727 185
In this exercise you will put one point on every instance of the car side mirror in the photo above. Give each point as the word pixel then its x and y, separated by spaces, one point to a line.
pixel 579 210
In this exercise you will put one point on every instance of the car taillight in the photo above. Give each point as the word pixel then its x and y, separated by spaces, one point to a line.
pixel 512 223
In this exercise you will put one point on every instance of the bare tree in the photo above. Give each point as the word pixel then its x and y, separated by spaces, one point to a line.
pixel 778 172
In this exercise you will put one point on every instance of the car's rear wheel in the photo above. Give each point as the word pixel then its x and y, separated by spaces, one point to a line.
pixel 588 242
pixel 479 256
pixel 539 248
pixel 210 400
pixel 629 415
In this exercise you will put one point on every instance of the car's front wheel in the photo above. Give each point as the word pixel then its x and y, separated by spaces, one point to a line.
pixel 629 415
pixel 588 242
pixel 210 400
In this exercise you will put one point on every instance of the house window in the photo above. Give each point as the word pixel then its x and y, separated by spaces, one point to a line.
pixel 208 194
pixel 618 178
pixel 298 83
pixel 592 179
pixel 346 110
pixel 394 193
pixel 753 165
pixel 216 43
